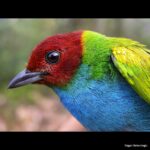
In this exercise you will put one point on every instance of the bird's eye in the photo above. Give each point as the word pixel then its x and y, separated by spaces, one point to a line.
pixel 52 57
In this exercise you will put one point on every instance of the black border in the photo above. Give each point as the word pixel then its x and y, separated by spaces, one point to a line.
pixel 74 9
pixel 98 140
pixel 75 139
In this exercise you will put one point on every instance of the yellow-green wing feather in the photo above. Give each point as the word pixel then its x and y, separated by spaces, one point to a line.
pixel 134 65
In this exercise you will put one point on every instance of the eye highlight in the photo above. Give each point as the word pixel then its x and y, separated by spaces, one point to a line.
pixel 52 57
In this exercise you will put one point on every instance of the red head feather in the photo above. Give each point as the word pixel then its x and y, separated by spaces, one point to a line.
pixel 70 49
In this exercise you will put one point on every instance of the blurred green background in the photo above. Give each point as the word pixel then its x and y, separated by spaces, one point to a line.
pixel 35 107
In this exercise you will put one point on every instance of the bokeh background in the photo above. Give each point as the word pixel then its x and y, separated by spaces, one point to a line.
pixel 36 107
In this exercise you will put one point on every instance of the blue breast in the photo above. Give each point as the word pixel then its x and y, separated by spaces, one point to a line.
pixel 105 105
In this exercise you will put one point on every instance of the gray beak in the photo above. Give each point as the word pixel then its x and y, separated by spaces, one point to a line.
pixel 25 77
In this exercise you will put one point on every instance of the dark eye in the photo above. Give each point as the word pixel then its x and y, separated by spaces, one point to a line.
pixel 52 57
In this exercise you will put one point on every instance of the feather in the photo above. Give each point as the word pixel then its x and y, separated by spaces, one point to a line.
pixel 133 62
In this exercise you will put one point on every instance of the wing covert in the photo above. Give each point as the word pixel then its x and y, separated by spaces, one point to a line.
pixel 134 65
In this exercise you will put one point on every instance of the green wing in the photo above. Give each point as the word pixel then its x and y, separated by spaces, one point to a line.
pixel 134 65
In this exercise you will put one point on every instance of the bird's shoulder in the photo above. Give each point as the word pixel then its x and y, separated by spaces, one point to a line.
pixel 133 62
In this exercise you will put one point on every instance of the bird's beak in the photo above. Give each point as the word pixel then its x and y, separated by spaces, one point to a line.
pixel 25 77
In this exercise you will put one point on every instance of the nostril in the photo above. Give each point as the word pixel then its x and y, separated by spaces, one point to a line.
pixel 27 71
pixel 45 73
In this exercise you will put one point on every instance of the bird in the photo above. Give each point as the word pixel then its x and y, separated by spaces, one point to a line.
pixel 104 82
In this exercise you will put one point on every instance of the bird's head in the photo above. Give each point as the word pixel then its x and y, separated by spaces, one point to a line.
pixel 52 62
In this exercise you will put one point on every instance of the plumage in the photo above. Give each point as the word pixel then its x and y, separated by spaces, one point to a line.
pixel 134 65
pixel 103 81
